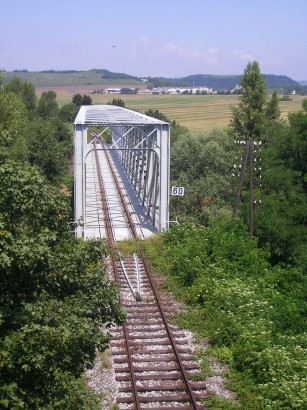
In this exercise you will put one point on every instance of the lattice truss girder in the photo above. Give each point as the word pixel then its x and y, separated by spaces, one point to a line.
pixel 142 145
pixel 139 152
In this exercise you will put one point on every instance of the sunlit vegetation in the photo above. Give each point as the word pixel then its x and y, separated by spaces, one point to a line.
pixel 55 296
pixel 198 113
pixel 251 311
pixel 246 295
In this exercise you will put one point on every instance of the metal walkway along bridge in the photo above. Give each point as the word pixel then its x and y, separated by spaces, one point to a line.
pixel 138 147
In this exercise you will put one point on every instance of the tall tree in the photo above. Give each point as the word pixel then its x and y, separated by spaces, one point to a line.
pixel 250 122
pixel 13 126
pixel 117 101
pixel 47 105
pixel 249 117
pixel 86 100
pixel 296 152
pixel 25 90
pixel 203 164
pixel 45 150
pixel 77 100
pixel 272 108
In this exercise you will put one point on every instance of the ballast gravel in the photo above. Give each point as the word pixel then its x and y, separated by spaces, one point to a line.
pixel 101 378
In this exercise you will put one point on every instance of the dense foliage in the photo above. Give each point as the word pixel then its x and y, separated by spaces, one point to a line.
pixel 248 296
pixel 54 296
pixel 254 112
pixel 207 178
pixel 69 111
pixel 252 312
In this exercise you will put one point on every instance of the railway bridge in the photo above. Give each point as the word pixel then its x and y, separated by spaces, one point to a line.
pixel 139 147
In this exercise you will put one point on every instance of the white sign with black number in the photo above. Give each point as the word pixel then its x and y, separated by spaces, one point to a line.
pixel 177 190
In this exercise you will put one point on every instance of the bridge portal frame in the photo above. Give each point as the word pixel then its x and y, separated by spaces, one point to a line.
pixel 142 144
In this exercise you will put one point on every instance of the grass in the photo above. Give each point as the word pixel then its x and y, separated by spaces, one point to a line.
pixel 198 113
pixel 127 247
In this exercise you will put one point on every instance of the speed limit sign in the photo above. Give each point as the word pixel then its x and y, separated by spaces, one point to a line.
pixel 177 190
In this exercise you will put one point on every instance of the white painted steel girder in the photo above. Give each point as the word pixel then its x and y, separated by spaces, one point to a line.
pixel 143 146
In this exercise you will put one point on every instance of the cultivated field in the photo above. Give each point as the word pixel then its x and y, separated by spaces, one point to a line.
pixel 196 112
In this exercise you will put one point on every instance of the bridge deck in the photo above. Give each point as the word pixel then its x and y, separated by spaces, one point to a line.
pixel 94 218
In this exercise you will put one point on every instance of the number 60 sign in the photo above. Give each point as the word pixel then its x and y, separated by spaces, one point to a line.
pixel 177 190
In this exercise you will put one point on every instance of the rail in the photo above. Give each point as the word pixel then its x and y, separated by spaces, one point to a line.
pixel 115 255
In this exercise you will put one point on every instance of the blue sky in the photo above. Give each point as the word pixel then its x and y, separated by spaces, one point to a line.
pixel 172 38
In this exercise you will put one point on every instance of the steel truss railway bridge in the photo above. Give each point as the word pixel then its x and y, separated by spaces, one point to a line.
pixel 139 144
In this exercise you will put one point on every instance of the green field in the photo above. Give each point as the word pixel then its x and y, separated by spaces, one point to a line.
pixel 196 112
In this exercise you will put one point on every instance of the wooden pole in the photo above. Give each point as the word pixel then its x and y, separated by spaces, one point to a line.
pixel 239 190
pixel 251 187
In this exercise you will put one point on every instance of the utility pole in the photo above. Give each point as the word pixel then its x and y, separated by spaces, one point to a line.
pixel 241 178
pixel 248 153
pixel 251 187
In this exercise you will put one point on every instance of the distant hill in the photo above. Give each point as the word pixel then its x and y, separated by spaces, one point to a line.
pixel 53 78
pixel 227 82
pixel 56 78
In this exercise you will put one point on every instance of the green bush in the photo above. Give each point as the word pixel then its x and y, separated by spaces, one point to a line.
pixel 252 312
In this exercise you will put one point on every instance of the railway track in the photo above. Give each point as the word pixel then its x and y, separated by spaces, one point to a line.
pixel 153 361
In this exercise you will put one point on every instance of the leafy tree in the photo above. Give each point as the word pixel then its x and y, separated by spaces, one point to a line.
pixel 54 293
pixel 253 121
pixel 126 90
pixel 45 150
pixel 13 126
pixel 63 133
pixel 25 90
pixel 280 221
pixel 157 114
pixel 294 150
pixel 117 101
pixel 86 100
pixel 67 112
pixel 272 110
pixel 77 100
pixel 249 118
pixel 207 178
pixel 54 297
pixel 176 130
pixel 47 105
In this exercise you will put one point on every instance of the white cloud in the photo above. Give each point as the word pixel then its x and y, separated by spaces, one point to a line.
pixel 211 55
pixel 272 61
pixel 244 56
pixel 143 48
pixel 143 41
